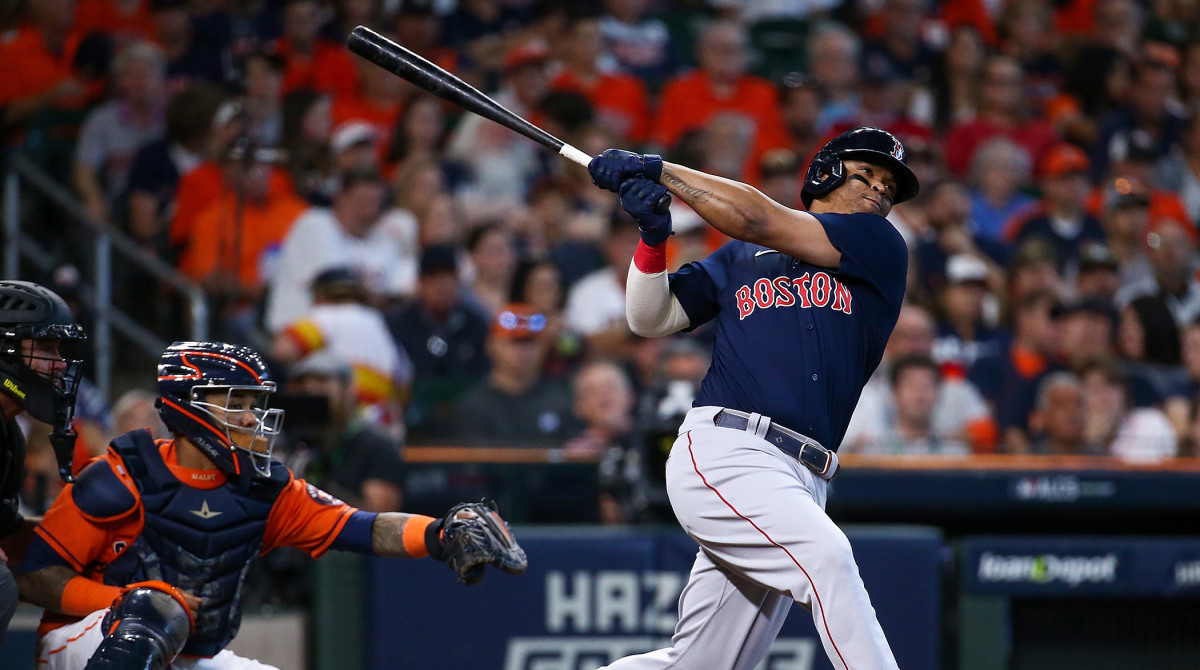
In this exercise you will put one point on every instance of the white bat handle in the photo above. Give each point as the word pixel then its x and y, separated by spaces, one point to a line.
pixel 574 155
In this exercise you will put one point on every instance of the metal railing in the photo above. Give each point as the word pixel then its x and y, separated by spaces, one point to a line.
pixel 106 240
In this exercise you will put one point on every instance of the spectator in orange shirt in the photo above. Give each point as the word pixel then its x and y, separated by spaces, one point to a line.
pixel 205 183
pixel 236 234
pixel 312 61
pixel 124 21
pixel 378 98
pixel 720 84
pixel 38 70
pixel 157 167
pixel 619 99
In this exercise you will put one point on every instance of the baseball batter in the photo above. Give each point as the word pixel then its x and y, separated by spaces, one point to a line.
pixel 804 303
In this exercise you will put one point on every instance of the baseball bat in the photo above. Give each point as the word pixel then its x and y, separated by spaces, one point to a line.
pixel 411 67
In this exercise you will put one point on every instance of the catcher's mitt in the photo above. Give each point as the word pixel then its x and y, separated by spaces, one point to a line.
pixel 474 535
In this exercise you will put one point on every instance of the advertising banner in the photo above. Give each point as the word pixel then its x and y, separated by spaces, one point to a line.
pixel 592 596
pixel 1117 566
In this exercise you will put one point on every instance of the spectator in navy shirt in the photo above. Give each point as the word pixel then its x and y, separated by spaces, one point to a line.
pixel 948 213
pixel 1060 218
pixel 1009 377
pixel 963 335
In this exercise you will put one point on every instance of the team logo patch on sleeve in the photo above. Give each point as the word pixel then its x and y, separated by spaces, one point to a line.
pixel 321 496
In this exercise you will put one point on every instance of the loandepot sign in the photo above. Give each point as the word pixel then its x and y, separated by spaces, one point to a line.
pixel 1047 568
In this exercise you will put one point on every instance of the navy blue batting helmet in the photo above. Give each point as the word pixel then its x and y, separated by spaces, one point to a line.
pixel 875 146
pixel 216 395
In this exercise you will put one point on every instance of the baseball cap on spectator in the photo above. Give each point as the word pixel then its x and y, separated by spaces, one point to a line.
pixel 1064 159
pixel 339 283
pixel 1032 252
pixel 1131 197
pixel 439 259
pixel 1096 256
pixel 534 52
pixel 1088 305
pixel 321 363
pixel 965 269
pixel 518 321
pixel 352 134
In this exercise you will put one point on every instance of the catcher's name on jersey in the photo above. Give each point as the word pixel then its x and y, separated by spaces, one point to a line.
pixel 811 289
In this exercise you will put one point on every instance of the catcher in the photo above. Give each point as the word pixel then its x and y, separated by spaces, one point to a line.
pixel 140 562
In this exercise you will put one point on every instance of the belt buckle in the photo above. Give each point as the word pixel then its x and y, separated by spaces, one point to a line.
pixel 824 466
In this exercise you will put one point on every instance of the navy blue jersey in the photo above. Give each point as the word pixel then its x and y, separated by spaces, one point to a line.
pixel 795 341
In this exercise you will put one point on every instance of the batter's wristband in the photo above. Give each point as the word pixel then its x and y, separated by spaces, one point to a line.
pixel 652 167
pixel 414 535
pixel 650 259
pixel 82 596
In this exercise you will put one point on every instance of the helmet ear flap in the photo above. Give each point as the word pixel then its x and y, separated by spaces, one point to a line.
pixel 825 173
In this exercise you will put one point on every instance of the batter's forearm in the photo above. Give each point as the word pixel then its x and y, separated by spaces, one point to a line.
pixel 45 587
pixel 738 210
pixel 745 213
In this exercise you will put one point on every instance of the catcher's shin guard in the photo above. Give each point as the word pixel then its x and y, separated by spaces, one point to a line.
pixel 146 629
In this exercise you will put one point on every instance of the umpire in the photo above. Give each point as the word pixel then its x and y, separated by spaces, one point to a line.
pixel 34 378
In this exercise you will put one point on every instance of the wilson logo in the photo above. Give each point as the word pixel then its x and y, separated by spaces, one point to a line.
pixel 816 289
pixel 12 386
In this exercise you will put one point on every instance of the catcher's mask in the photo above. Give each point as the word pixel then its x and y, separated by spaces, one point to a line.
pixel 37 332
pixel 875 146
pixel 216 395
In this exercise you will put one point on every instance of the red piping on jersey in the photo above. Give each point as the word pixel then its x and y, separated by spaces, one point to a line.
pixel 72 639
pixel 712 488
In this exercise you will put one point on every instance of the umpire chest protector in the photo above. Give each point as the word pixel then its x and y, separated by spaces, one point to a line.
pixel 200 540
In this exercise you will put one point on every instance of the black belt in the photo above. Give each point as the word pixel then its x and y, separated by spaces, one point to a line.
pixel 808 451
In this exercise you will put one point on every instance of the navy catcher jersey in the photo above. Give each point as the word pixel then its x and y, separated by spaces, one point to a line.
pixel 795 341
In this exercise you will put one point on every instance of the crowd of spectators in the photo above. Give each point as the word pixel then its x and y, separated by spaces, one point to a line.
pixel 459 285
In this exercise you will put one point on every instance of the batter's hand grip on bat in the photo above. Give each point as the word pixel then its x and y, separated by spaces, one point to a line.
pixel 663 204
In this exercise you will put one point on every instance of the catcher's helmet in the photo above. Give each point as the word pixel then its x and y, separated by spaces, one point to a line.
pixel 44 386
pixel 233 428
pixel 826 172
